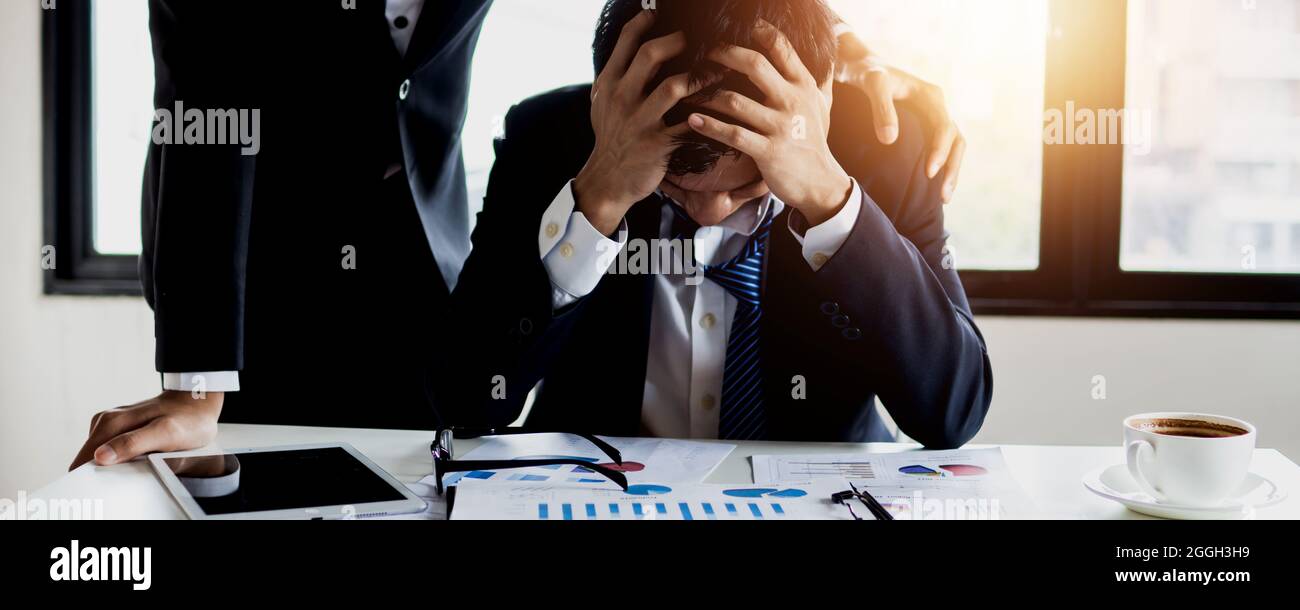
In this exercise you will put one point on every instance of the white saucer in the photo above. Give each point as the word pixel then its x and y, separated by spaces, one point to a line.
pixel 1115 483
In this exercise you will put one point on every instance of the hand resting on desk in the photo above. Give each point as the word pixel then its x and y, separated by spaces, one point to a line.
pixel 171 421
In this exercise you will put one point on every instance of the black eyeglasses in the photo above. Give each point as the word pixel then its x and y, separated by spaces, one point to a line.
pixel 873 506
pixel 443 464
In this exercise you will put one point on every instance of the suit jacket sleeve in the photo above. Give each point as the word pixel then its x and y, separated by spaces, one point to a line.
pixel 918 347
pixel 197 198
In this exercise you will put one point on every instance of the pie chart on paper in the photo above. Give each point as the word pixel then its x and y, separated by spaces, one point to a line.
pixel 964 470
pixel 944 470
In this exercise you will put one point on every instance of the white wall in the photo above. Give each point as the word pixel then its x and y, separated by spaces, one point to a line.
pixel 61 358
pixel 1043 371
pixel 64 358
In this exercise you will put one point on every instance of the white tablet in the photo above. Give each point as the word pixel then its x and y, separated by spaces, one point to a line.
pixel 323 481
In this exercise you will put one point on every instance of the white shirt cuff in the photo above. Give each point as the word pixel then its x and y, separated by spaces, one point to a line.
pixel 575 254
pixel 823 241
pixel 215 381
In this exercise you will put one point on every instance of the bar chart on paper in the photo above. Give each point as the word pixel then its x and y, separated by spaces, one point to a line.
pixel 477 499
pixel 669 511
pixel 809 469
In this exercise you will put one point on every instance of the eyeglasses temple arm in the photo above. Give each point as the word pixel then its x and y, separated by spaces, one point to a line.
pixel 470 465
pixel 470 433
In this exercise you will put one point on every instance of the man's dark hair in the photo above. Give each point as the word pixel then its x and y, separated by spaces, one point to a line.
pixel 710 25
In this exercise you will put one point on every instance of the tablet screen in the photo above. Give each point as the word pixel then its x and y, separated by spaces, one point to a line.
pixel 279 480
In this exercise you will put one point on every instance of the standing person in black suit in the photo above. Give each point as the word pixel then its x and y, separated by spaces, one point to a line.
pixel 823 283
pixel 306 283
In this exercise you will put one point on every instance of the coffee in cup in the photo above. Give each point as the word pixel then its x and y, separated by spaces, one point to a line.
pixel 1193 459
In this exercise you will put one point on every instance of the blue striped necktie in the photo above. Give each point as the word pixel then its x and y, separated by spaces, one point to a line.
pixel 742 417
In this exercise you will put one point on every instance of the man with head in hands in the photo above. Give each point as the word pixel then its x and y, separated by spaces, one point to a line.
pixel 822 250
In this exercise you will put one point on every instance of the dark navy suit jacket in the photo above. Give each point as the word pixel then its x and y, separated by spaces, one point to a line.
pixel 882 318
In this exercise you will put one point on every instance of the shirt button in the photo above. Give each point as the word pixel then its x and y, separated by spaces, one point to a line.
pixel 708 402
pixel 404 90
pixel 708 321
pixel 820 259
pixel 566 250
pixel 552 230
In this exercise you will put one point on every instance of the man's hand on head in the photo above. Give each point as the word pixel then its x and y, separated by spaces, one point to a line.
pixel 171 421
pixel 885 86
pixel 786 136
pixel 628 161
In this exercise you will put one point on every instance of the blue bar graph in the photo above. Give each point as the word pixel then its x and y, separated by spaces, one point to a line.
pixel 685 511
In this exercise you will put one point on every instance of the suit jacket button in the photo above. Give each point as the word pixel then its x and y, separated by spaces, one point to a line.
pixel 840 321
pixel 852 334
pixel 404 90
pixel 830 308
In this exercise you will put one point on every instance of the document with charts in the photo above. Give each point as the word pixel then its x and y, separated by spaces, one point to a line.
pixel 958 484
pixel 532 501
pixel 644 459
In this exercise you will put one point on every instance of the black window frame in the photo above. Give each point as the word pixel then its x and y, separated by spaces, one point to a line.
pixel 1078 274
pixel 68 158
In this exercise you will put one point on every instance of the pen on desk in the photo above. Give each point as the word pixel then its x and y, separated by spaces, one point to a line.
pixel 872 504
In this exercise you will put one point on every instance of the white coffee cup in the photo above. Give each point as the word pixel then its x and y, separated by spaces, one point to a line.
pixel 1174 461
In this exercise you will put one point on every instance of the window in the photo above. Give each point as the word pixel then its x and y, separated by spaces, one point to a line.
pixel 503 76
pixel 1217 191
pixel 123 110
pixel 1198 215
pixel 1180 198
pixel 990 59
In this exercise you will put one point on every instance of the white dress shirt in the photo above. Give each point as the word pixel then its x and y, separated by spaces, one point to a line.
pixel 690 320
pixel 402 16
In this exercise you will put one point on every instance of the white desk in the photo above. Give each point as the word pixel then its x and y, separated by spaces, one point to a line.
pixel 1050 475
